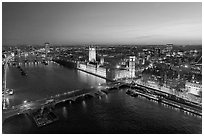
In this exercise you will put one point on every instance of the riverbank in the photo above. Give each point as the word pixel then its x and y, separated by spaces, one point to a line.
pixel 165 99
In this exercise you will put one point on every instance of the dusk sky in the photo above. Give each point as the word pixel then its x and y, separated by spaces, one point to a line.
pixel 102 23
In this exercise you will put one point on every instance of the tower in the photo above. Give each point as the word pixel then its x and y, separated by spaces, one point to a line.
pixel 132 66
pixel 92 54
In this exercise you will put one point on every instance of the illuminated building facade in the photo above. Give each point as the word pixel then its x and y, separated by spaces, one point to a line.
pixel 169 47
pixel 92 66
pixel 193 88
pixel 92 54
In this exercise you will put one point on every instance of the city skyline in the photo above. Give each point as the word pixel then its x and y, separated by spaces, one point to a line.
pixel 102 23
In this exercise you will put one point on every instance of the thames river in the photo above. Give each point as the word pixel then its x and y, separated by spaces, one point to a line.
pixel 113 113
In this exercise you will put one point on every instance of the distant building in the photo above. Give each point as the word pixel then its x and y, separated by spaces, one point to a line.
pixel 47 48
pixel 17 52
pixel 158 52
pixel 169 47
pixel 92 54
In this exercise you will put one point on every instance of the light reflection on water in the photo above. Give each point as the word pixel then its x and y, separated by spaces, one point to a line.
pixel 84 104
pixel 113 113
pixel 122 114
pixel 92 80
pixel 64 112
pixel 46 80
pixel 106 99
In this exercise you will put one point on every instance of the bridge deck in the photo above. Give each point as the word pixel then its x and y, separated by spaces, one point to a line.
pixel 23 108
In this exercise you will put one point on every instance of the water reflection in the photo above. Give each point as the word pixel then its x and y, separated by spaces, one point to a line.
pixel 106 99
pixel 135 115
pixel 64 112
pixel 47 80
pixel 93 80
pixel 84 104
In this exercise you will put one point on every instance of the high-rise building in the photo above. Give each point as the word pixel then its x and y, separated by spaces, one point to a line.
pixel 132 66
pixel 92 54
pixel 47 48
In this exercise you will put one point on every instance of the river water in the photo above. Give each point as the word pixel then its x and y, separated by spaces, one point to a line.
pixel 113 113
